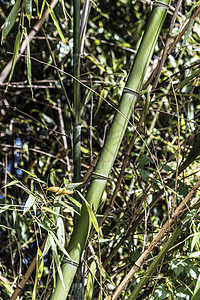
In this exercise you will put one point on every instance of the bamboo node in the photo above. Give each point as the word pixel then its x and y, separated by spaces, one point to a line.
pixel 161 4
pixel 130 91
pixel 99 176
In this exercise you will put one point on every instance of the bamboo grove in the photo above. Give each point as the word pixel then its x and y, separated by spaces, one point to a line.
pixel 99 149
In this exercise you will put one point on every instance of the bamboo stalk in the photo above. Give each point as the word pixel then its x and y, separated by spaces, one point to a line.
pixel 76 89
pixel 112 144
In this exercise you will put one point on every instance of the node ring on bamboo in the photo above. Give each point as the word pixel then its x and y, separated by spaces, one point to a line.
pixel 130 91
pixel 161 4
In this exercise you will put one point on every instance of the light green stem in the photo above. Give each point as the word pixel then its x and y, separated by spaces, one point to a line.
pixel 110 150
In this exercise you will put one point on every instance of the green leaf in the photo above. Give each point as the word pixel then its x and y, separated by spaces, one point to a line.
pixel 104 273
pixel 67 207
pixel 190 215
pixel 187 80
pixel 195 240
pixel 91 213
pixel 51 211
pixel 161 293
pixel 46 119
pixel 36 2
pixel 71 186
pixel 40 264
pixel 16 49
pixel 195 254
pixel 61 231
pixel 4 208
pixel 47 246
pixel 10 21
pixel 57 259
pixel 103 94
pixel 39 272
pixel 60 245
pixel 56 23
pixel 29 173
pixel 90 281
pixel 195 296
pixel 144 174
pixel 41 11
pixel 29 203
pixel 90 93
pixel 177 267
pixel 28 60
pixel 28 9
pixel 144 160
pixel 11 183
pixel 74 201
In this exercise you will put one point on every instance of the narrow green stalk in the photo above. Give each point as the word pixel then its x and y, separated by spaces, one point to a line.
pixel 77 115
pixel 113 141
pixel 77 96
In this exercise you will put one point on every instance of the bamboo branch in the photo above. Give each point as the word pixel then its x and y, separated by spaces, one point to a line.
pixel 156 239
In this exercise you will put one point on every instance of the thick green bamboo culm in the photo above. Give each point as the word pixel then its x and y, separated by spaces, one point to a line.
pixel 112 144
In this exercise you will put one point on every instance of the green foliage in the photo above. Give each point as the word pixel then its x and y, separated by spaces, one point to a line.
pixel 36 153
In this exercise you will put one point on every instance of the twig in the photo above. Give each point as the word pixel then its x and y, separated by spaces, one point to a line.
pixel 164 55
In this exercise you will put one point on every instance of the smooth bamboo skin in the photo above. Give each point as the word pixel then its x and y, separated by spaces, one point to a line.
pixel 110 150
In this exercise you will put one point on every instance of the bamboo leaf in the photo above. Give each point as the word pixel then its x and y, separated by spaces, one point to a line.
pixel 40 264
pixel 41 10
pixel 11 183
pixel 28 9
pixel 28 60
pixel 104 273
pixel 10 21
pixel 74 201
pixel 67 207
pixel 36 2
pixel 29 173
pixel 56 259
pixel 189 78
pixel 39 271
pixel 60 245
pixel 72 185
pixel 47 246
pixel 103 94
pixel 54 272
pixel 96 63
pixel 29 203
pixel 187 33
pixel 56 23
pixel 61 231
pixel 196 290
pixel 90 281
pixel 16 49
pixel 51 211
pixel 91 213
pixel 4 208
